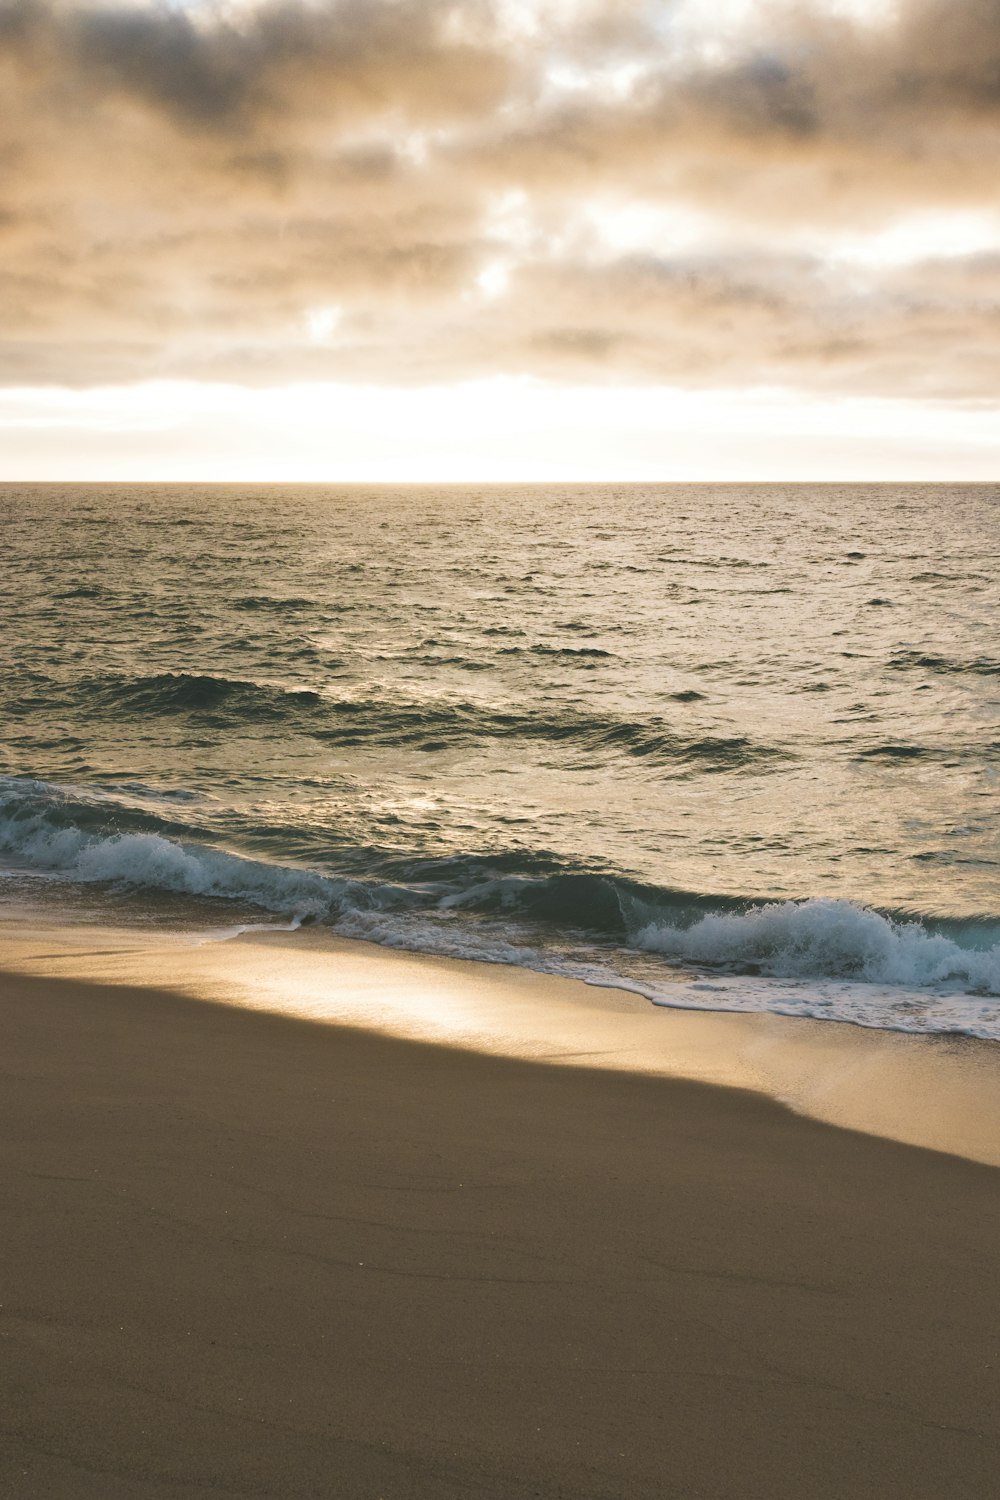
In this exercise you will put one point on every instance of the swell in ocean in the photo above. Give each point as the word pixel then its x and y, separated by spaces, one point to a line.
pixel 215 702
pixel 819 957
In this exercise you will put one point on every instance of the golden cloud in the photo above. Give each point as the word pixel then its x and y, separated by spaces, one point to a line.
pixel 410 190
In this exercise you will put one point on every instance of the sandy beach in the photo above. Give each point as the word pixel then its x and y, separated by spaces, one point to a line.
pixel 248 1254
pixel 499 728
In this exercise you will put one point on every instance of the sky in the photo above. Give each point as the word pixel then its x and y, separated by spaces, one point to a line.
pixel 500 239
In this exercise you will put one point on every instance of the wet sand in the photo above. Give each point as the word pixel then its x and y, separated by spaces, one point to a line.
pixel 247 1254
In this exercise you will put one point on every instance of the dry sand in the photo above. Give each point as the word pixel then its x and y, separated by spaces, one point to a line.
pixel 251 1255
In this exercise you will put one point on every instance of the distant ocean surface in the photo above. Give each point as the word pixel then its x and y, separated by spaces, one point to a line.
pixel 735 747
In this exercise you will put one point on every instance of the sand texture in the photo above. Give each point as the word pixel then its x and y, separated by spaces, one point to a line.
pixel 249 1255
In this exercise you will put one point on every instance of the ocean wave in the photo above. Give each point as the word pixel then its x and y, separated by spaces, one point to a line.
pixel 493 907
pixel 578 653
pixel 28 806
pixel 890 752
pixel 216 701
pixel 456 724
pixel 272 604
pixel 81 839
pixel 827 939
pixel 160 694
pixel 182 692
pixel 978 666
pixel 98 837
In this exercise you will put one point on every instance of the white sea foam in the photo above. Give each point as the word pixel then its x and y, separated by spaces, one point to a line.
pixel 881 1006
pixel 830 939
pixel 150 861
pixel 820 958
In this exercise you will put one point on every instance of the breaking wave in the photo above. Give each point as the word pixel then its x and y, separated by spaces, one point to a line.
pixel 533 910
pixel 830 940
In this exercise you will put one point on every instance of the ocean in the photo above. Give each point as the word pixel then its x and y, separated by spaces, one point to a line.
pixel 730 746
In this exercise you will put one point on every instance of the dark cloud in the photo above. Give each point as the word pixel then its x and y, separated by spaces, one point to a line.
pixel 811 119
pixel 411 190
pixel 235 68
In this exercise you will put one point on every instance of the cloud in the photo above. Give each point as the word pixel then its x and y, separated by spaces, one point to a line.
pixel 183 191
pixel 810 116
pixel 238 68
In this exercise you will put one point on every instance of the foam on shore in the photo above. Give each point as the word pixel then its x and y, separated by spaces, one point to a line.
pixel 938 1092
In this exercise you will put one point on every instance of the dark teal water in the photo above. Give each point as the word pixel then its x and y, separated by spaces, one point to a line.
pixel 750 731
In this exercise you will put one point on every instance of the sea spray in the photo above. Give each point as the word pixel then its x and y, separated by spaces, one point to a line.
pixel 830 940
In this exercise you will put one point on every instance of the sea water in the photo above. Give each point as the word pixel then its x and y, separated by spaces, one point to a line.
pixel 731 746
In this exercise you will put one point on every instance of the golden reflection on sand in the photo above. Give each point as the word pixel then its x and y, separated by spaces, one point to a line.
pixel 937 1092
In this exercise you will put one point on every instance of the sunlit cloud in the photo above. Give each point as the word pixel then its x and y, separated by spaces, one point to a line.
pixel 923 237
pixel 437 193
pixel 321 322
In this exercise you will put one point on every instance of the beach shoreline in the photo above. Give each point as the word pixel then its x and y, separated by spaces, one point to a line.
pixel 941 1092
pixel 252 1254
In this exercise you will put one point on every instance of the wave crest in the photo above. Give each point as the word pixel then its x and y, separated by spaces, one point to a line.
pixel 534 910
pixel 419 724
pixel 826 939
pixel 180 692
